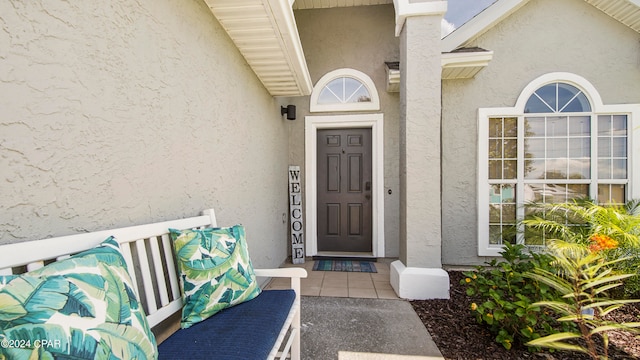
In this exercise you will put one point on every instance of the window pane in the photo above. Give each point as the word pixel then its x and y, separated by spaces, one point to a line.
pixel 548 95
pixel 579 104
pixel 534 127
pixel 618 194
pixel 557 126
pixel 556 169
pixel 495 127
pixel 534 169
pixel 580 126
pixel 619 147
pixel 511 127
pixel 509 213
pixel 510 169
pixel 579 147
pixel 351 87
pixel 495 149
pixel 555 193
pixel 328 97
pixel 509 234
pixel 604 147
pixel 510 149
pixel 355 91
pixel 577 191
pixel 495 169
pixel 557 148
pixel 619 125
pixel 536 105
pixel 604 193
pixel 494 213
pixel 604 169
pixel 508 194
pixel 495 194
pixel 495 234
pixel 619 169
pixel 604 125
pixel 337 87
pixel 534 148
pixel 579 169
pixel 533 193
pixel 571 99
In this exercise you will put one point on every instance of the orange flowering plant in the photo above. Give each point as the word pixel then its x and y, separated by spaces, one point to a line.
pixel 601 242
pixel 613 231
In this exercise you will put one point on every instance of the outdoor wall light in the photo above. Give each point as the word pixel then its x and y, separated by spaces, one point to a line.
pixel 290 110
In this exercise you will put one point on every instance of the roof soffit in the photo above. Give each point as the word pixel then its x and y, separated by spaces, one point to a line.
pixel 265 33
pixel 324 4
pixel 625 11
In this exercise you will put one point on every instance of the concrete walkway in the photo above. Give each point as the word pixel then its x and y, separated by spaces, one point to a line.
pixel 363 329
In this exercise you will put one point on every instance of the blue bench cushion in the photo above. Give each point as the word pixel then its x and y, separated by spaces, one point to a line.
pixel 246 331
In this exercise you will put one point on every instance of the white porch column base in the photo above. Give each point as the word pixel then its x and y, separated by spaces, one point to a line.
pixel 415 283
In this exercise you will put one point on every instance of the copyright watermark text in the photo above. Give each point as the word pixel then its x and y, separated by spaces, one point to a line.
pixel 28 343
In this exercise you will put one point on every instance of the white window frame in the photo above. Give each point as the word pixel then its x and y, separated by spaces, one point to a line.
pixel 598 108
pixel 365 80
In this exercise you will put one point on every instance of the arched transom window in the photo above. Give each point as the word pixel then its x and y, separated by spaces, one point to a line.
pixel 344 90
pixel 557 97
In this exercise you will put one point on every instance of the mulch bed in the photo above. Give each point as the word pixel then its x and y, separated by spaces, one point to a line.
pixel 459 337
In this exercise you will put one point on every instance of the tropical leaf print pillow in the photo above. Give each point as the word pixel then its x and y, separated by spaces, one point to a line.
pixel 215 271
pixel 83 307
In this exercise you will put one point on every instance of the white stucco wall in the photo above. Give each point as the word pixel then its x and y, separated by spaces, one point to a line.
pixel 360 38
pixel 543 36
pixel 115 113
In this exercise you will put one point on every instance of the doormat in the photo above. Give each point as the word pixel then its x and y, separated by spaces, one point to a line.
pixel 344 265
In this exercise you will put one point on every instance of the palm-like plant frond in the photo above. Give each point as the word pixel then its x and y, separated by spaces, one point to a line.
pixel 578 220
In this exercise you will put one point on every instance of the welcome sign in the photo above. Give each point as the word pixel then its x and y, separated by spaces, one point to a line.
pixel 295 209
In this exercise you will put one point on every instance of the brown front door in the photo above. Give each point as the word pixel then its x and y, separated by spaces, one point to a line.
pixel 344 190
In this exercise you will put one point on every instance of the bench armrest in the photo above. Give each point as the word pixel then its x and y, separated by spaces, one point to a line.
pixel 291 272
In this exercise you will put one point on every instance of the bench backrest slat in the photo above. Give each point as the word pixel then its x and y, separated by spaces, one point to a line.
pixel 159 272
pixel 151 265
pixel 171 268
pixel 145 273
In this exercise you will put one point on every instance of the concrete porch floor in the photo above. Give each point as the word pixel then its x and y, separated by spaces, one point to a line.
pixel 357 316
pixel 342 284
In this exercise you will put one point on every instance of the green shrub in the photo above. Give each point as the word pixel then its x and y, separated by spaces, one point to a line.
pixel 505 297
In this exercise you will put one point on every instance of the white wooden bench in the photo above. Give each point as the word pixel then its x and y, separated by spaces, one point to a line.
pixel 149 256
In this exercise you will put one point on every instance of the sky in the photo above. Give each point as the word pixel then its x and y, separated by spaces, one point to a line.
pixel 461 11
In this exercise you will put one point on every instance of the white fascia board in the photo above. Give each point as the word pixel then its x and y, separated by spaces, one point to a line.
pixel 481 23
pixel 465 59
pixel 405 9
pixel 288 32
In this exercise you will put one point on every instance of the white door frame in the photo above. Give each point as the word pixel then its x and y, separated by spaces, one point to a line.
pixel 311 125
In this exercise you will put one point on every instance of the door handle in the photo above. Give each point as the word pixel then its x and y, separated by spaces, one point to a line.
pixel 367 186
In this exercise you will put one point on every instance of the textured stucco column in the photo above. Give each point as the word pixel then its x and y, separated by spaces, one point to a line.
pixel 418 274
